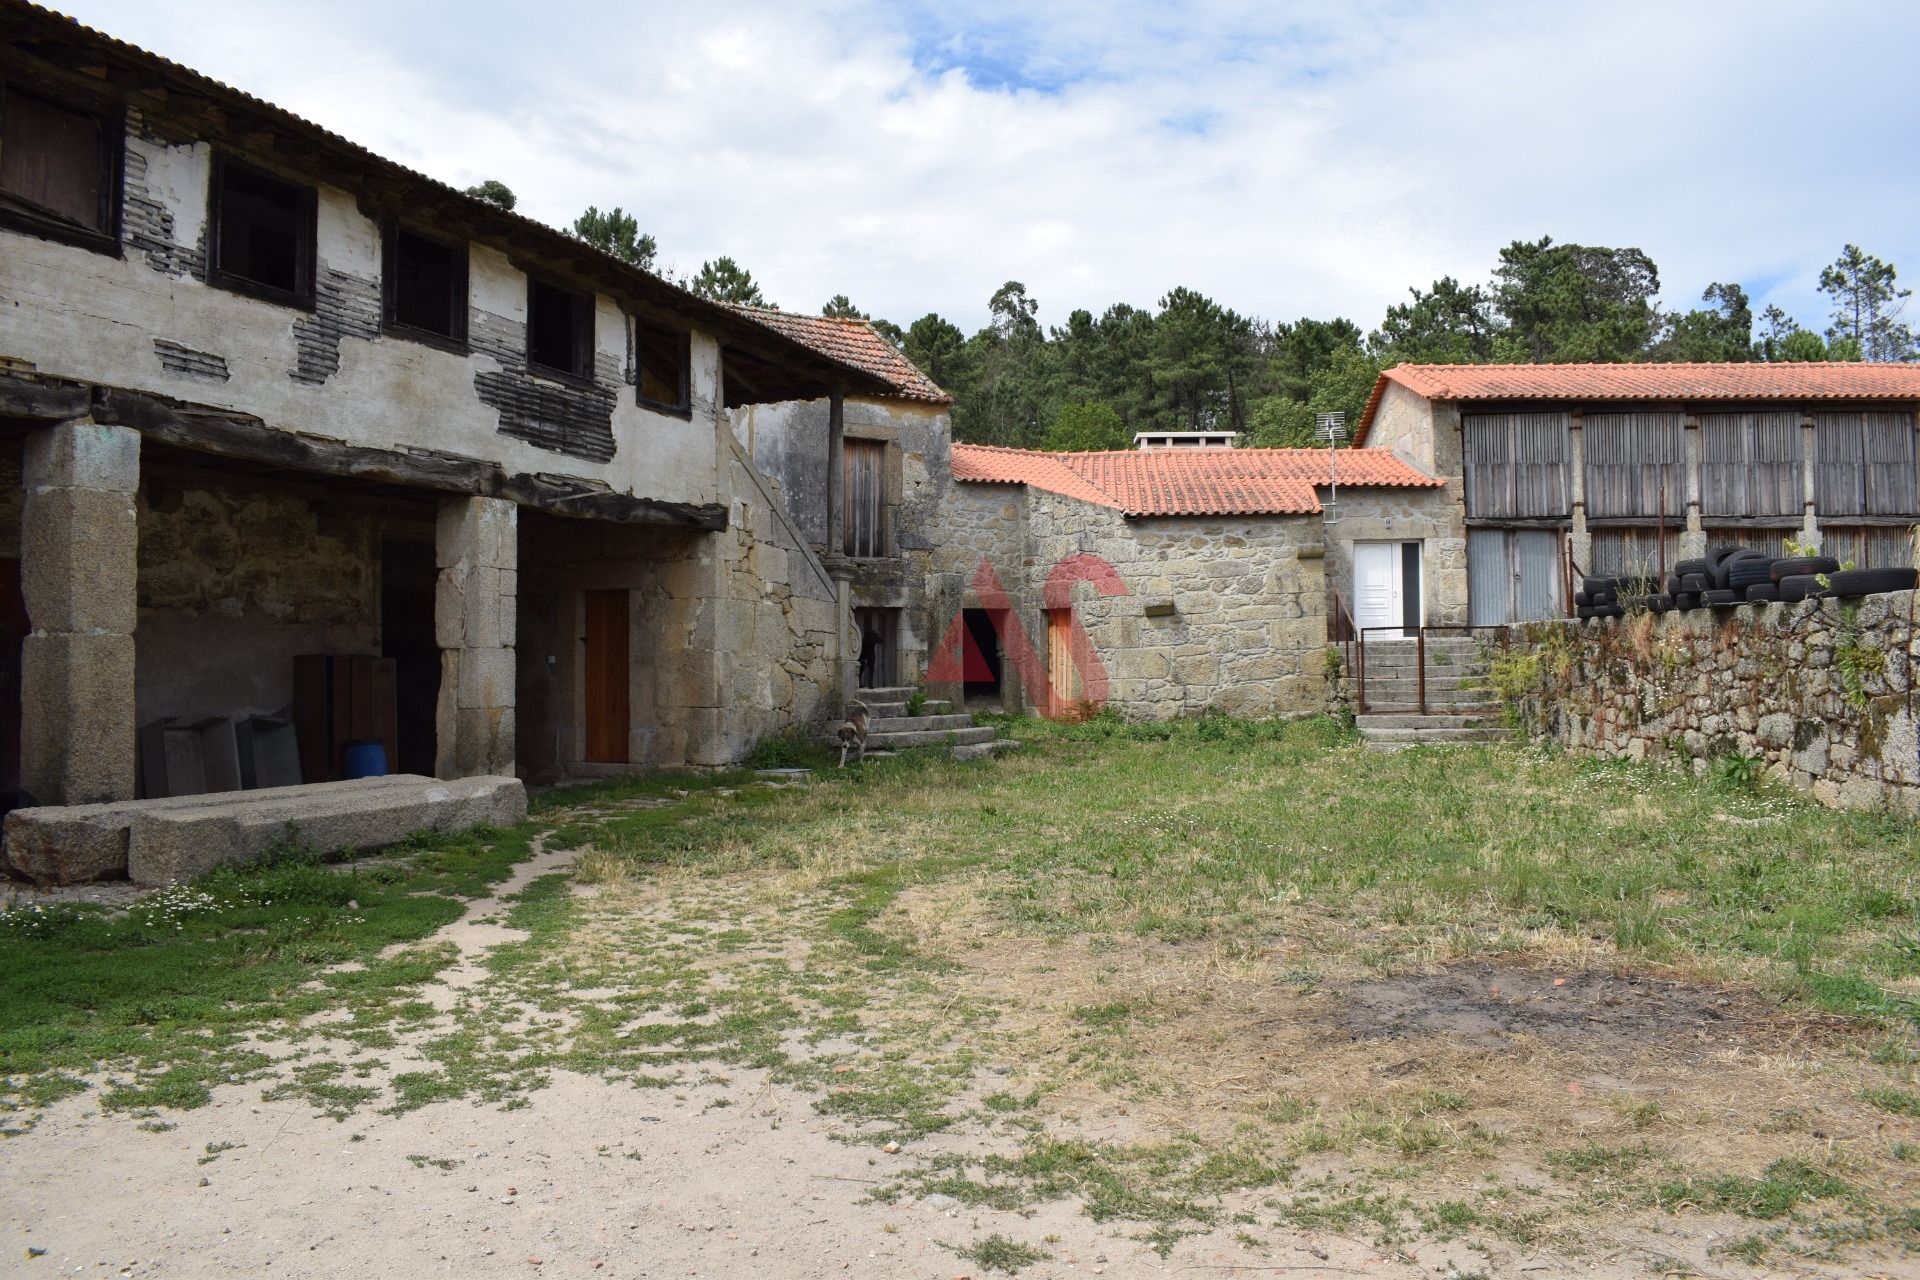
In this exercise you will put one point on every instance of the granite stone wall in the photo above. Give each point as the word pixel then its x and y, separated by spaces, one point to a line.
pixel 1818 693
pixel 1246 631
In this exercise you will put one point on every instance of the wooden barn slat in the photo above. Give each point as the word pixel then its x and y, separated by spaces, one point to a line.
pixel 1889 464
pixel 1868 546
pixel 1516 465
pixel 1631 459
pixel 1839 451
pixel 865 499
pixel 1633 552
pixel 1750 464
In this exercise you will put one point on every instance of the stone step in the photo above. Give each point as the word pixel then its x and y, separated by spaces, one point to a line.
pixel 1408 680
pixel 907 724
pixel 1408 706
pixel 1432 720
pixel 930 737
pixel 881 710
pixel 1436 737
pixel 889 693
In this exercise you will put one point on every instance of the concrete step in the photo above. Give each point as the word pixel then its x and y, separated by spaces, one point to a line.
pixel 890 693
pixel 930 737
pixel 1436 737
pixel 1408 680
pixel 1408 706
pixel 1432 720
pixel 908 724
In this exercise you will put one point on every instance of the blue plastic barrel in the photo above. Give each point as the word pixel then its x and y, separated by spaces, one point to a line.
pixel 364 758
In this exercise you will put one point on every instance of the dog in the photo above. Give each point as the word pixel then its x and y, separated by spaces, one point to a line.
pixel 853 733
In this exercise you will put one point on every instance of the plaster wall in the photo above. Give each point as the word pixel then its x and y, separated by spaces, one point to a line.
pixel 1426 516
pixel 126 321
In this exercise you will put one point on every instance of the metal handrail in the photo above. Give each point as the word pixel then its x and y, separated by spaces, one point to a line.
pixel 1419 656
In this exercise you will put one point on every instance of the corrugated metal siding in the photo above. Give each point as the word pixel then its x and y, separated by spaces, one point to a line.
pixel 1750 464
pixel 1868 546
pixel 1489 578
pixel 1635 462
pixel 1536 581
pixel 1516 465
pixel 865 498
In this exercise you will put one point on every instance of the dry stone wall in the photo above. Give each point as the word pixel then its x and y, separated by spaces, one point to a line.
pixel 1818 693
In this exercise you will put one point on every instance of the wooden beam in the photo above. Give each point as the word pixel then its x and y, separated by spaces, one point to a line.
pixel 232 435
pixel 43 399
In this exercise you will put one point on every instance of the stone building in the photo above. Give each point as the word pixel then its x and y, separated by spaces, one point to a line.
pixel 1553 471
pixel 865 480
pixel 1160 582
pixel 266 398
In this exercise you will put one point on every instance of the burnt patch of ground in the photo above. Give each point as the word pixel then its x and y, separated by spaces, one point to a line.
pixel 1488 1005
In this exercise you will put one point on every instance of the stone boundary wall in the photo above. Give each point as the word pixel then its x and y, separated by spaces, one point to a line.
pixel 1818 693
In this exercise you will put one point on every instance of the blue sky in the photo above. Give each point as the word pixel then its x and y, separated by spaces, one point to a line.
pixel 1288 159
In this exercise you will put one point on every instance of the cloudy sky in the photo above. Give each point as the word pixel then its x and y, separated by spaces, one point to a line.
pixel 1287 158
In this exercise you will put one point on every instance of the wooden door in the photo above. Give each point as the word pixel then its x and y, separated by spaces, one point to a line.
pixel 1063 673
pixel 606 671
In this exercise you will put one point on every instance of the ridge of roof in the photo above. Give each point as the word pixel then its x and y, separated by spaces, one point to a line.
pixel 1174 482
pixel 677 298
pixel 1684 381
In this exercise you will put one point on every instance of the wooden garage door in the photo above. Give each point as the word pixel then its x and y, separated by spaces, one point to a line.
pixel 606 676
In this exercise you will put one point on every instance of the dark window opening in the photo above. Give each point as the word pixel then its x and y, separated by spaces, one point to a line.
pixel 980 653
pixel 263 231
pixel 426 285
pixel 664 357
pixel 59 168
pixel 559 329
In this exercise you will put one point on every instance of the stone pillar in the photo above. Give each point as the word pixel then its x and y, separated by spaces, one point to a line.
pixel 79 553
pixel 1580 540
pixel 477 546
pixel 836 475
pixel 846 655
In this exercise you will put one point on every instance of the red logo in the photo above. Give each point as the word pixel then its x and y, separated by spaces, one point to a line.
pixel 1077 683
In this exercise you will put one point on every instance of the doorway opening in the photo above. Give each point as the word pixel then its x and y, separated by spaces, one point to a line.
pixel 605 663
pixel 879 647
pixel 407 576
pixel 980 657
pixel 1386 586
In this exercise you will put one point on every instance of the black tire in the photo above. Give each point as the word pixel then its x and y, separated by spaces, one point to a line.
pixel 1749 571
pixel 1800 586
pixel 1796 566
pixel 1583 611
pixel 1723 572
pixel 1581 600
pixel 1660 603
pixel 1719 596
pixel 1761 592
pixel 1596 586
pixel 1694 583
pixel 1696 564
pixel 1609 611
pixel 1722 552
pixel 1866 582
pixel 1686 600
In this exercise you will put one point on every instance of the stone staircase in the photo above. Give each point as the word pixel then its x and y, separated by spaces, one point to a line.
pixel 890 728
pixel 1460 707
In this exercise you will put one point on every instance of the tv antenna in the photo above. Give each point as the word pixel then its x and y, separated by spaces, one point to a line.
pixel 1332 428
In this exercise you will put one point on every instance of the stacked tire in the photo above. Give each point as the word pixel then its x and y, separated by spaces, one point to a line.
pixel 1728 576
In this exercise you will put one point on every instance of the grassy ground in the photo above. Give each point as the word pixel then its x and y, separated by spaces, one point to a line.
pixel 1205 976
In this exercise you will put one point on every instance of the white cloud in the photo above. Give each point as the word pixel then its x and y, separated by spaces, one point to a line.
pixel 1300 160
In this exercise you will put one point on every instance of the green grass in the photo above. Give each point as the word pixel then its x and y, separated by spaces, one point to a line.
pixel 163 997
pixel 998 1253
pixel 1786 1184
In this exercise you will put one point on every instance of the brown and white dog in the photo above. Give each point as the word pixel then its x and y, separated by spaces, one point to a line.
pixel 853 732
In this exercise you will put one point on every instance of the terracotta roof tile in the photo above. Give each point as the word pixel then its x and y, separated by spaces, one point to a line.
pixel 1187 482
pixel 1681 382
pixel 854 342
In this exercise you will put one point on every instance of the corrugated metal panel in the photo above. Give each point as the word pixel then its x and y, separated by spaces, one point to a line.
pixel 1840 456
pixel 1634 462
pixel 1750 464
pixel 1890 477
pixel 1536 578
pixel 1489 578
pixel 1868 547
pixel 1516 465
pixel 865 498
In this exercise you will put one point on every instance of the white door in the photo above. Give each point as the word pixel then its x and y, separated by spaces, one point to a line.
pixel 1377 600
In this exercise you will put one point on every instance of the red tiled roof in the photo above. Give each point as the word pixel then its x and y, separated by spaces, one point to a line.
pixel 1187 482
pixel 854 342
pixel 1795 380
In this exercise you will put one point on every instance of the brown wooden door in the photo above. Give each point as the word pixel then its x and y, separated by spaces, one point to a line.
pixel 606 667
pixel 1063 673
